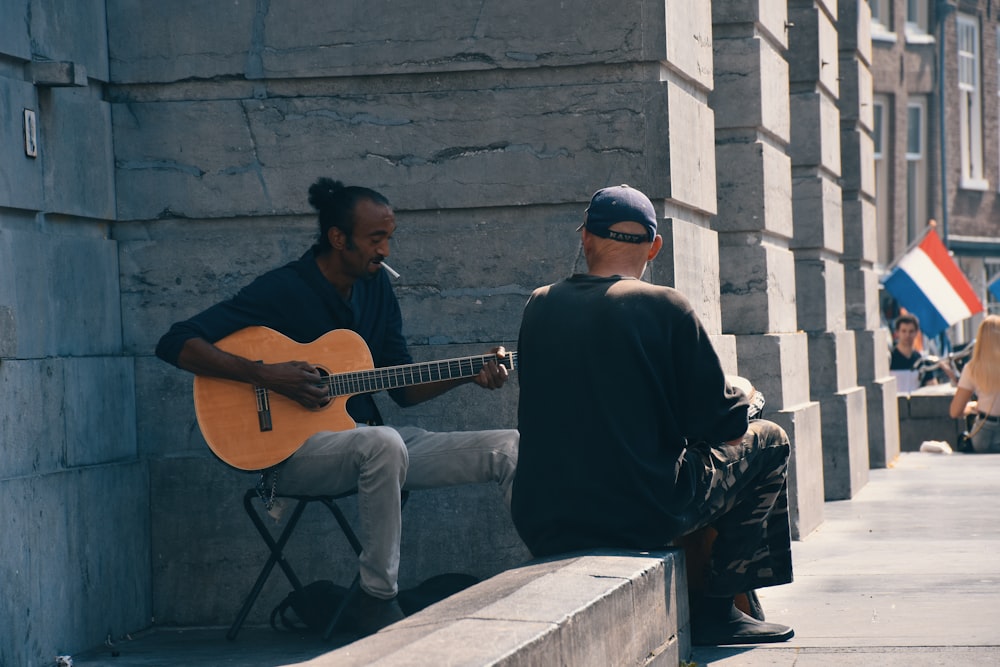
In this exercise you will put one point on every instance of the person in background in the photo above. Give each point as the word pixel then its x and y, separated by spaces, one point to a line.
pixel 631 437
pixel 906 357
pixel 981 378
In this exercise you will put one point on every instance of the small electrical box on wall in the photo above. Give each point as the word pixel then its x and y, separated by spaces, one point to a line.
pixel 30 133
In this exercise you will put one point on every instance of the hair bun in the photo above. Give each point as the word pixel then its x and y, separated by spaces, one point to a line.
pixel 323 192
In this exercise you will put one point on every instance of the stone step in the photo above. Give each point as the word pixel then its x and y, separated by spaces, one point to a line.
pixel 600 608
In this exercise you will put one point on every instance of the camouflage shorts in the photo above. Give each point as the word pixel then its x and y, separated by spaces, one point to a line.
pixel 741 492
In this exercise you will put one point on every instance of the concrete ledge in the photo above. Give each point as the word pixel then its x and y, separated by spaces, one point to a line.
pixel 600 608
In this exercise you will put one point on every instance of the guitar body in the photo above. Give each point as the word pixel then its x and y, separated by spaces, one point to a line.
pixel 228 411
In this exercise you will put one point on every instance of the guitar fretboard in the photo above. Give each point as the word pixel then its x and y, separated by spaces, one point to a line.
pixel 391 377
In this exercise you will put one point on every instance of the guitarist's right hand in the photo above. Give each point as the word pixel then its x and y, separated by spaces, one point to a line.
pixel 298 380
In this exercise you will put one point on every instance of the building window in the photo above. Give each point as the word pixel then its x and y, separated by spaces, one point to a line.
pixel 916 169
pixel 916 16
pixel 883 223
pixel 969 107
pixel 882 12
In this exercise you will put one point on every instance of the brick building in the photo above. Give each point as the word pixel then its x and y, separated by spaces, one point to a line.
pixel 929 56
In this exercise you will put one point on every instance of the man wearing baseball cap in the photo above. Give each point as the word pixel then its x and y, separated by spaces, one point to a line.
pixel 632 438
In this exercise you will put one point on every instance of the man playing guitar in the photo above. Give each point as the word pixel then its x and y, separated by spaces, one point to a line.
pixel 338 284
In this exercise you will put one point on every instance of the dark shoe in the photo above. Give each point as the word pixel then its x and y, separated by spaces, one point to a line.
pixel 376 613
pixel 737 629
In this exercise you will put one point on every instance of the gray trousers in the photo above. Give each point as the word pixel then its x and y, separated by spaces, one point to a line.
pixel 380 461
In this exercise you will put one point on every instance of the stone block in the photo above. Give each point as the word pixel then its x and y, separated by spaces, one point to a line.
pixel 751 86
pixel 930 403
pixel 771 17
pixel 21 186
pixel 691 154
pixel 778 365
pixel 75 32
pixel 458 529
pixel 832 363
pixel 757 287
pixel 82 265
pixel 52 74
pixel 754 189
pixel 813 47
pixel 823 280
pixel 32 426
pixel 860 232
pixel 76 550
pixel 79 164
pixel 15 41
pixel 382 37
pixel 883 422
pixel 861 291
pixel 858 162
pixel 923 415
pixel 66 412
pixel 856 91
pixel 873 348
pixel 99 409
pixel 854 28
pixel 136 56
pixel 815 131
pixel 725 348
pixel 817 207
pixel 174 158
pixel 688 37
pixel 691 255
pixel 600 608
pixel 845 443
pixel 8 332
pixel 803 425
pixel 47 276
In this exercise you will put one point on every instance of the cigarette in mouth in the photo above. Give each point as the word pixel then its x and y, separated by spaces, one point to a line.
pixel 392 271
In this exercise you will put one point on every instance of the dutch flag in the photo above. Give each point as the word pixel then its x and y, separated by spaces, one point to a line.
pixel 929 284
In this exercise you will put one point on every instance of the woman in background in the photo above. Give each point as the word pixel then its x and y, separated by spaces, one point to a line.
pixel 981 377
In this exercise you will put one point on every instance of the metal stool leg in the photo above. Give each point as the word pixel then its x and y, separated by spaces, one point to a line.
pixel 276 557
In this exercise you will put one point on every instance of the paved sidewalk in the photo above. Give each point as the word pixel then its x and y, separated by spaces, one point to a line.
pixel 905 573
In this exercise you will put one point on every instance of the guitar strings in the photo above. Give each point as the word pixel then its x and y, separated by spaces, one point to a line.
pixel 390 377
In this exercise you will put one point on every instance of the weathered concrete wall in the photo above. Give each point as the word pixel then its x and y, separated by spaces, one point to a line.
pixel 75 538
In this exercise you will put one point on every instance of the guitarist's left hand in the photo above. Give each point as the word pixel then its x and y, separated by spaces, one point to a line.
pixel 494 374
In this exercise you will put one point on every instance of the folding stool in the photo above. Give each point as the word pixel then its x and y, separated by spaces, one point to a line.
pixel 276 548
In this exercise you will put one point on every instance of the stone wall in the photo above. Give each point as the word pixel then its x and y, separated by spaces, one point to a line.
pixel 75 538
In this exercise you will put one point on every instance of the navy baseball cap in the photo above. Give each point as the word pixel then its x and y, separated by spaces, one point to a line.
pixel 620 203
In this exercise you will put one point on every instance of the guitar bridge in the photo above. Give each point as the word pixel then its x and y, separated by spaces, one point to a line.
pixel 263 409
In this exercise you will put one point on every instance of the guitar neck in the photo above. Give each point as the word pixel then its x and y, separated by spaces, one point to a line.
pixel 392 377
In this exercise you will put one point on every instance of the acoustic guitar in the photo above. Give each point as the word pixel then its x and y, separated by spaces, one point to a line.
pixel 252 428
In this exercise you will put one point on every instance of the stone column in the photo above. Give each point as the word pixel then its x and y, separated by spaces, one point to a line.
pixel 689 260
pixel 754 224
pixel 860 239
pixel 818 244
